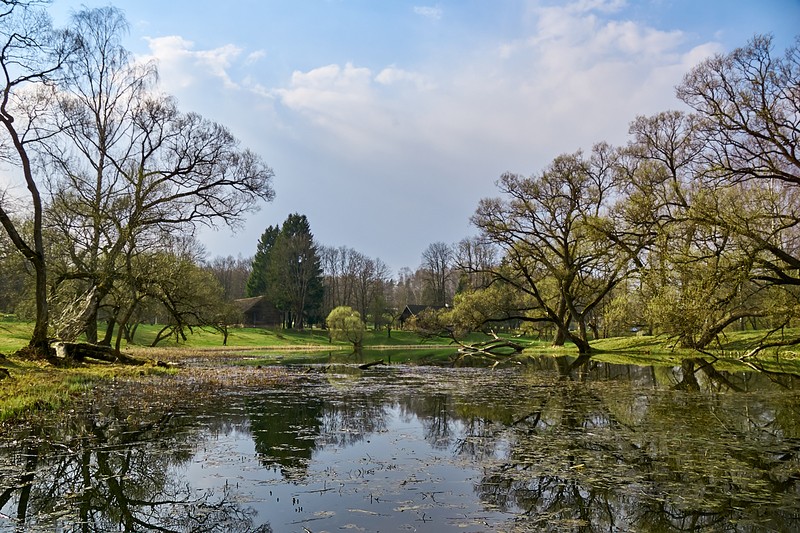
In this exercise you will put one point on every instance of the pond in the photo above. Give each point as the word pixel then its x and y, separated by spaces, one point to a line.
pixel 538 447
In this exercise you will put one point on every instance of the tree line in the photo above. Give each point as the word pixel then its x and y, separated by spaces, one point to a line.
pixel 688 229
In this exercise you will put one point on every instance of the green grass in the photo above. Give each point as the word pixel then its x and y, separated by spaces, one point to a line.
pixel 36 386
pixel 14 335
pixel 729 351
pixel 731 344
pixel 239 337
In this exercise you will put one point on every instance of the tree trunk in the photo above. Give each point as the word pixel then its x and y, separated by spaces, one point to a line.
pixel 707 337
pixel 132 332
pixel 79 351
pixel 582 344
pixel 39 341
pixel 562 324
pixel 560 337
pixel 122 328
pixel 582 330
pixel 112 322
pixel 91 327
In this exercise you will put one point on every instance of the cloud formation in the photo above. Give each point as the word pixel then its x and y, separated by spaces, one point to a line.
pixel 430 12
pixel 431 137
pixel 181 66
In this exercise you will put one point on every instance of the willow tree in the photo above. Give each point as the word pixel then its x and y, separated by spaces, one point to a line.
pixel 130 171
pixel 693 275
pixel 553 230
pixel 748 105
pixel 344 324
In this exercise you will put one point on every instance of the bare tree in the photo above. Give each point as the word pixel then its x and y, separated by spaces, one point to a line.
pixel 371 278
pixel 338 266
pixel 437 262
pixel 354 280
pixel 232 274
pixel 748 107
pixel 31 60
pixel 474 260
pixel 408 289
pixel 131 170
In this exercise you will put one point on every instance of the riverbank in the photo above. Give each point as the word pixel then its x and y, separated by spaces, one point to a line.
pixel 27 387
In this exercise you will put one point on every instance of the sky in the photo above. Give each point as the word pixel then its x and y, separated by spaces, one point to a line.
pixel 386 121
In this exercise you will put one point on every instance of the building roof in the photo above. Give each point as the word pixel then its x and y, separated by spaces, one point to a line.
pixel 417 309
pixel 246 304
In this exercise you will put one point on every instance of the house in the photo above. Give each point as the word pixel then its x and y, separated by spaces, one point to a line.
pixel 414 310
pixel 259 312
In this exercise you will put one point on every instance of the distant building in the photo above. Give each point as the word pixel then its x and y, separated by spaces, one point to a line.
pixel 413 310
pixel 259 312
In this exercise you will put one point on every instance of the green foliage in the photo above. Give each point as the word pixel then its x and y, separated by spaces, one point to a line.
pixel 190 294
pixel 257 283
pixel 496 307
pixel 345 324
pixel 286 269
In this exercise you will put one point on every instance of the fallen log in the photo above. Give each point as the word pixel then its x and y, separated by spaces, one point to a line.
pixel 366 366
pixel 493 348
pixel 80 351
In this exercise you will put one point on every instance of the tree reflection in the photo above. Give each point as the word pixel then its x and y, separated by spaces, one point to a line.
pixel 285 428
pixel 595 447
pixel 601 456
pixel 111 469
pixel 435 413
pixel 350 420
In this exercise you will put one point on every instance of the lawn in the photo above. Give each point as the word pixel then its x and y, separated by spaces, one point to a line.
pixel 14 335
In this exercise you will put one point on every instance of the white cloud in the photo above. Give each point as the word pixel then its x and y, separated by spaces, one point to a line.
pixel 325 90
pixel 181 66
pixel 579 76
pixel 255 57
pixel 432 137
pixel 392 75
pixel 431 12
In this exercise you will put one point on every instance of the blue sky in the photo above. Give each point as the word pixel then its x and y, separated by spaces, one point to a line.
pixel 387 121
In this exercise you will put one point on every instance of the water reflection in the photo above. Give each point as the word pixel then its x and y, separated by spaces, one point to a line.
pixel 550 445
pixel 110 469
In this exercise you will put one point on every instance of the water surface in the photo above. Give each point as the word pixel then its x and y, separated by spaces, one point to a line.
pixel 534 448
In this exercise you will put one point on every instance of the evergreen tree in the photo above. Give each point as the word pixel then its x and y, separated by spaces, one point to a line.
pixel 294 277
pixel 287 270
pixel 257 283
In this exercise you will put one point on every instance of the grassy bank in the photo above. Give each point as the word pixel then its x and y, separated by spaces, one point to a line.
pixel 34 386
pixel 399 346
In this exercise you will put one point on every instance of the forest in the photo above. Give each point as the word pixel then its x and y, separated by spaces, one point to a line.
pixel 688 230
